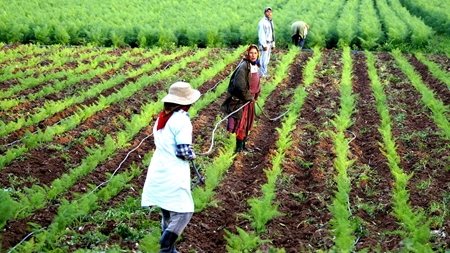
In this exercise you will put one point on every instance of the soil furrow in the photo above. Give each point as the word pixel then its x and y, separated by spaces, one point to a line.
pixel 440 89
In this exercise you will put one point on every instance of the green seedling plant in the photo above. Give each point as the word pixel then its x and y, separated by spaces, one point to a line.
pixel 243 242
pixel 370 26
pixel 346 25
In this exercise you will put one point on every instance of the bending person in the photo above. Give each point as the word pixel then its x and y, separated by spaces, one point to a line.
pixel 299 30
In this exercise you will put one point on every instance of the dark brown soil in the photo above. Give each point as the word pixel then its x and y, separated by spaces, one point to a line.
pixel 307 168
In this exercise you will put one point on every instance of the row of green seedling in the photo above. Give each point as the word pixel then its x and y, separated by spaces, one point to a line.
pixel 342 228
pixel 370 30
pixel 435 69
pixel 347 24
pixel 416 233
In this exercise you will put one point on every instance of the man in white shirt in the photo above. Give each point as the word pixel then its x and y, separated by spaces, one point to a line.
pixel 266 40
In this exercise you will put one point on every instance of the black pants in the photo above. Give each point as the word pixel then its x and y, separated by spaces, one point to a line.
pixel 298 41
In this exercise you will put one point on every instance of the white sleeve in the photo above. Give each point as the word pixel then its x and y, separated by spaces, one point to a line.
pixel 184 127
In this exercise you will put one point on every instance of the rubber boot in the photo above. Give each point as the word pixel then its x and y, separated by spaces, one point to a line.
pixel 167 242
pixel 239 146
pixel 250 150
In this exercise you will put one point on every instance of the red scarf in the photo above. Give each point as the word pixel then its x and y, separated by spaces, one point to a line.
pixel 164 117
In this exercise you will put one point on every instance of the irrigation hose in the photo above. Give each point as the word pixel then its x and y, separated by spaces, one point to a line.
pixel 21 139
pixel 30 234
pixel 215 128
pixel 354 136
pixel 120 165
pixel 273 119
pixel 215 85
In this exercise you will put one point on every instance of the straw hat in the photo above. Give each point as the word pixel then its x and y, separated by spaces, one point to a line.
pixel 181 93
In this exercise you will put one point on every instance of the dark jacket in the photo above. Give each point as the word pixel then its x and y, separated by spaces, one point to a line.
pixel 240 82
pixel 238 92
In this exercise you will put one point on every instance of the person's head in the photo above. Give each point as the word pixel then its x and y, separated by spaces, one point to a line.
pixel 252 53
pixel 268 12
pixel 181 93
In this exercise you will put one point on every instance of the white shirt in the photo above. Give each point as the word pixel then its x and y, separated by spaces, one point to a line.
pixel 265 36
pixel 254 68
pixel 168 180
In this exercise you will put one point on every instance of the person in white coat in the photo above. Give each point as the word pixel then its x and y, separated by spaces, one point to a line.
pixel 266 40
pixel 168 180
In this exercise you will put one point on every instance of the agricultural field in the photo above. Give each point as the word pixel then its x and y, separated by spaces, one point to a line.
pixel 352 134
pixel 358 161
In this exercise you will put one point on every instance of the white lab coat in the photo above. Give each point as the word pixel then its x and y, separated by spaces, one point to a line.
pixel 168 180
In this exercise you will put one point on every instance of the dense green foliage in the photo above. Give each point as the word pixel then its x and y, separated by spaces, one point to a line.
pixel 222 24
